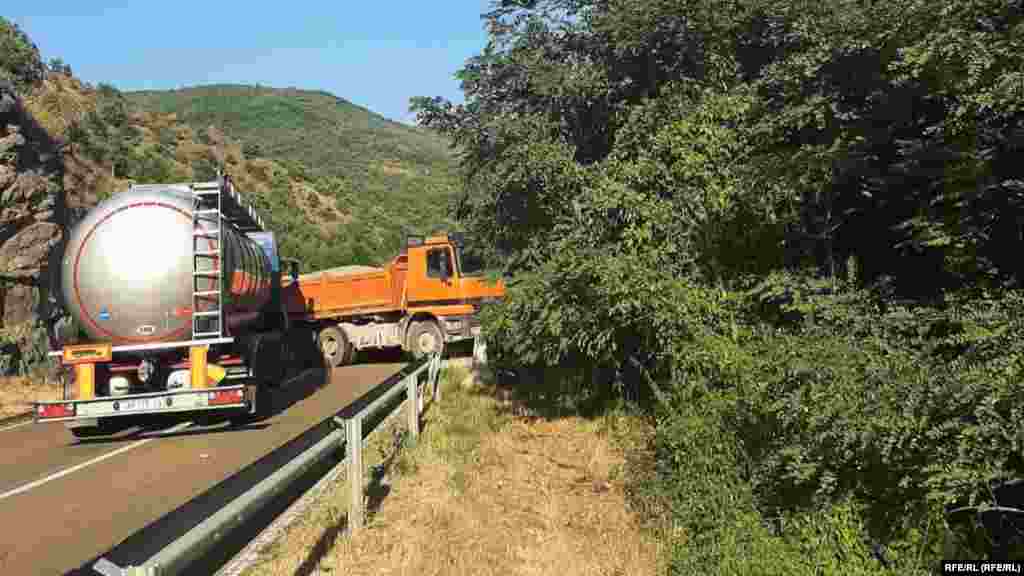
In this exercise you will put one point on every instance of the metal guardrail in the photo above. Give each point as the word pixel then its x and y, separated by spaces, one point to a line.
pixel 176 557
pixel 353 425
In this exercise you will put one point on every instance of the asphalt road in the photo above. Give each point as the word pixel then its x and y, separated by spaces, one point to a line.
pixel 64 501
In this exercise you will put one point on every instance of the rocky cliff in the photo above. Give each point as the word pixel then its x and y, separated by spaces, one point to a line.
pixel 32 213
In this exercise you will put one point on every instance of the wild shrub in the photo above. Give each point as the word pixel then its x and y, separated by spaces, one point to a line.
pixel 20 62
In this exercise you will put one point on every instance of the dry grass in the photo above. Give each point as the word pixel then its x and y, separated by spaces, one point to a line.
pixel 58 101
pixel 17 392
pixel 320 208
pixel 484 493
pixel 392 168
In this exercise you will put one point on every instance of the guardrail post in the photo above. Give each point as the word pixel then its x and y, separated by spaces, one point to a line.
pixel 412 387
pixel 354 447
pixel 435 371
pixel 419 396
pixel 479 352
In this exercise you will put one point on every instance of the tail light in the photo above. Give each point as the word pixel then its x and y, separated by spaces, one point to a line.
pixel 218 397
pixel 56 410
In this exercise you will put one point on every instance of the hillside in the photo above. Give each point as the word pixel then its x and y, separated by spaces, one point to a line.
pixel 330 134
pixel 386 174
pixel 322 220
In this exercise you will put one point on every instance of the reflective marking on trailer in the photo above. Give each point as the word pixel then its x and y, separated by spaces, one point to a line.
pixel 98 459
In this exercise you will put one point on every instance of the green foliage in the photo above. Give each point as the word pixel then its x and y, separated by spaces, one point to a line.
pixel 58 66
pixel 104 135
pixel 204 170
pixel 253 149
pixel 20 61
pixel 23 348
pixel 799 222
pixel 350 244
pixel 149 166
pixel 719 530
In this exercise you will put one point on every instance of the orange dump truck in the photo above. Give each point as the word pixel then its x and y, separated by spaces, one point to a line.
pixel 426 296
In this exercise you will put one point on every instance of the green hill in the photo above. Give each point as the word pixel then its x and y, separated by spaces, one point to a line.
pixel 328 135
pixel 385 177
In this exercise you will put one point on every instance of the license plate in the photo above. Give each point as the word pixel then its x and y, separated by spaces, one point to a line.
pixel 135 404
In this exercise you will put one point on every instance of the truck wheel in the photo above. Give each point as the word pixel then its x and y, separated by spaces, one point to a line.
pixel 334 345
pixel 425 338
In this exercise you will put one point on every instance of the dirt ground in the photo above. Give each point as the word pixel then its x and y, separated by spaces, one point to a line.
pixel 16 394
pixel 483 492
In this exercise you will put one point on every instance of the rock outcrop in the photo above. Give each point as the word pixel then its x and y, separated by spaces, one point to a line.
pixel 32 213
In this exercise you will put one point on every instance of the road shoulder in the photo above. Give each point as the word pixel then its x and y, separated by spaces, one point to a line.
pixel 486 490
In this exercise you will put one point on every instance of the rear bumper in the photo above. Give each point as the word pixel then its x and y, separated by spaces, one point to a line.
pixel 219 398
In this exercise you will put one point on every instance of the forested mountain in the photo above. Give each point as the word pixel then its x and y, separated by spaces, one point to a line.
pixel 387 175
pixel 801 224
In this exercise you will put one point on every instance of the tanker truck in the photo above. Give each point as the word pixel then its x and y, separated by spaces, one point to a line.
pixel 177 288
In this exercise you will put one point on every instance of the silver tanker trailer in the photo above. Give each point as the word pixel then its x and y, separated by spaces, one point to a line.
pixel 177 289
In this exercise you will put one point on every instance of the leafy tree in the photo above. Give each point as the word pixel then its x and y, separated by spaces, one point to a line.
pixel 203 170
pixel 724 202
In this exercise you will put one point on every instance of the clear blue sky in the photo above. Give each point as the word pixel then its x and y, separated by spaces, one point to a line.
pixel 376 54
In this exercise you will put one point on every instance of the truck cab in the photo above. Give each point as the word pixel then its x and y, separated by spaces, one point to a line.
pixel 445 283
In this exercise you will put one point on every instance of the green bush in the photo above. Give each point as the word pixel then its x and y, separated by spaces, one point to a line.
pixel 25 347
pixel 800 222
pixel 797 421
pixel 20 61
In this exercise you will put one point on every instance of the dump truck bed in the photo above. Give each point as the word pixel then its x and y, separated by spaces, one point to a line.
pixel 339 271
pixel 346 291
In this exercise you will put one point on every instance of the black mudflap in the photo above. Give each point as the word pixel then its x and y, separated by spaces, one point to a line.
pixel 300 349
pixel 276 356
pixel 263 354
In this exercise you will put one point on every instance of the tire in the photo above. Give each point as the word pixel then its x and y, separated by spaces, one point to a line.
pixel 334 346
pixel 267 358
pixel 425 338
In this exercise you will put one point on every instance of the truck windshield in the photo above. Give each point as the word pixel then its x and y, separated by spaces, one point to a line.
pixel 470 264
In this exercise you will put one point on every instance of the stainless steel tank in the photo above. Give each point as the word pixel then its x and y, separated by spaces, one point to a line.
pixel 127 271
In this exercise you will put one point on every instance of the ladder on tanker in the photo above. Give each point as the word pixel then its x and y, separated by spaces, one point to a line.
pixel 214 204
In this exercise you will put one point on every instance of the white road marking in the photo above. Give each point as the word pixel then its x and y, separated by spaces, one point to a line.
pixel 18 425
pixel 98 459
